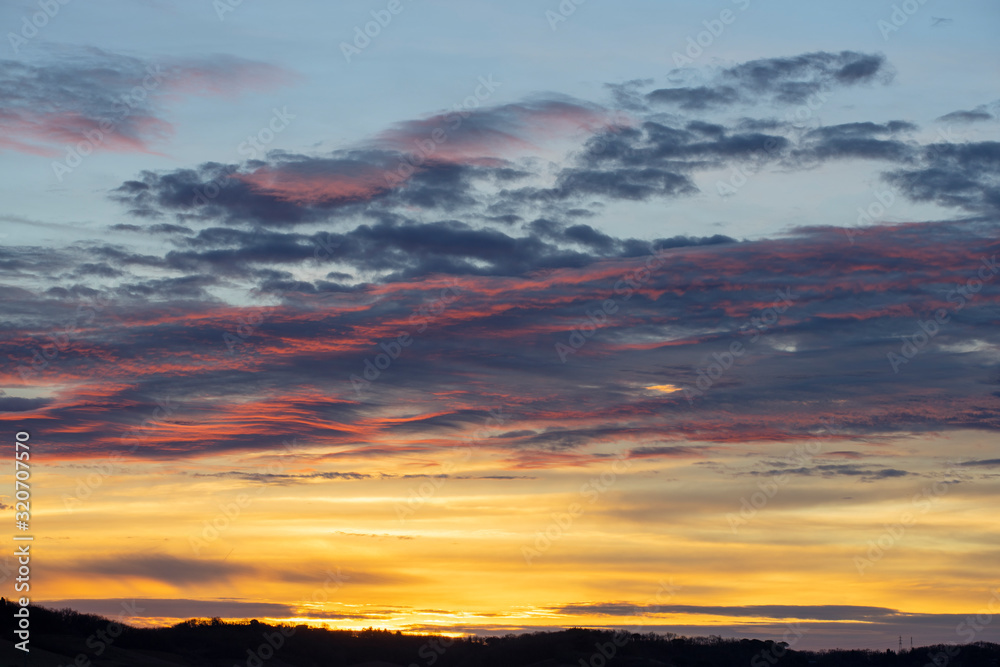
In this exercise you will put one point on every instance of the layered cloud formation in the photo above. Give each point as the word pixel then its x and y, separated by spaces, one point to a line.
pixel 378 302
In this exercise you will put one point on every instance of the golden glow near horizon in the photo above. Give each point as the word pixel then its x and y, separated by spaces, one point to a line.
pixel 569 545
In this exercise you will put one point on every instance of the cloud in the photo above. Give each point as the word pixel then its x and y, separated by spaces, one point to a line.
pixel 173 608
pixel 858 140
pixel 179 572
pixel 979 114
pixel 830 470
pixel 493 333
pixel 273 478
pixel 960 175
pixel 490 264
pixel 986 463
pixel 15 404
pixel 112 101
pixel 797 612
pixel 787 81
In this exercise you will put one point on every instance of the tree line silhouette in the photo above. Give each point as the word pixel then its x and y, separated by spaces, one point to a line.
pixel 217 643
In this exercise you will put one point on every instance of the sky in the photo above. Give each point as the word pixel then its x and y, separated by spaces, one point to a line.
pixel 481 318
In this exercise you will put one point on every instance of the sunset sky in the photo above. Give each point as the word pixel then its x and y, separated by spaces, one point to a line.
pixel 673 316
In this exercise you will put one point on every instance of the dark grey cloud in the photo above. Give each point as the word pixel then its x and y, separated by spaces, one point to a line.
pixel 787 81
pixel 809 612
pixel 979 114
pixel 666 451
pixel 173 608
pixel 15 404
pixel 696 99
pixel 869 141
pixel 960 175
pixel 167 569
pixel 830 470
pixel 985 463
pixel 282 479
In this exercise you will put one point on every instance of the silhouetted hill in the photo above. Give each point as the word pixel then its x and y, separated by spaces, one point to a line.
pixel 60 638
